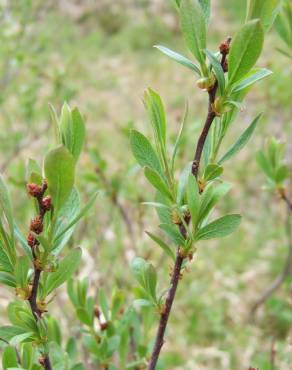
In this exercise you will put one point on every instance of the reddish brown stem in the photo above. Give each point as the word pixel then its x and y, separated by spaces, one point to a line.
pixel 179 258
pixel 166 311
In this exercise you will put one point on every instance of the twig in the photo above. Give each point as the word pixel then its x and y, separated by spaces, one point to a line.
pixel 36 226
pixel 165 314
pixel 179 256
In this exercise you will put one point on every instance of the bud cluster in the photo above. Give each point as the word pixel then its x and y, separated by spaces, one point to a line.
pixel 45 204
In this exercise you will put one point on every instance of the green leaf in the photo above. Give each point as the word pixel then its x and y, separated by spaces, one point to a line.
pixel 217 69
pixel 242 140
pixel 67 227
pixel 67 214
pixel 59 167
pixel 219 228
pixel 21 337
pixel 211 197
pixel 178 138
pixel 22 241
pixel 182 183
pixel 5 263
pixel 34 172
pixel 72 130
pixel 281 174
pixel 8 332
pixel 173 234
pixel 206 6
pixel 65 270
pixel 167 250
pixel 212 171
pixel 283 25
pixel 156 113
pixel 78 133
pixel 7 279
pixel 102 300
pixel 265 10
pixel 245 50
pixel 194 28
pixel 256 74
pixel 9 358
pixel 5 205
pixel 143 152
pixel 21 271
pixel 84 316
pixel 155 179
pixel 265 165
pixel 146 276
pixel 193 199
pixel 179 58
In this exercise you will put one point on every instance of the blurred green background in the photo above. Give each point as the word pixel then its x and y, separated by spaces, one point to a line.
pixel 99 56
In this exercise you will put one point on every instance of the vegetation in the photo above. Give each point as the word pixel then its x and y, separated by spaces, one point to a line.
pixel 90 281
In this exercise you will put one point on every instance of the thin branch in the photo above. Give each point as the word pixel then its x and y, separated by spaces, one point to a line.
pixel 165 314
pixel 224 50
pixel 176 274
pixel 36 227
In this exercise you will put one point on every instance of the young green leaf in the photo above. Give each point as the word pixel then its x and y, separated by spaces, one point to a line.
pixel 143 152
pixel 265 10
pixel 156 113
pixel 212 171
pixel 167 250
pixel 146 276
pixel 193 199
pixel 7 279
pixel 8 332
pixel 59 167
pixel 173 233
pixel 5 205
pixel 211 196
pixel 182 183
pixel 9 358
pixel 179 58
pixel 72 130
pixel 155 179
pixel 255 75
pixel 219 228
pixel 178 138
pixel 194 28
pixel 103 304
pixel 265 165
pixel 218 70
pixel 60 233
pixel 206 6
pixel 245 50
pixel 65 269
pixel 78 133
pixel 242 140
pixel 21 271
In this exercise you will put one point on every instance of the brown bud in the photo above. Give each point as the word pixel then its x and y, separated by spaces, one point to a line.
pixel 34 190
pixel 42 361
pixel 31 240
pixel 97 312
pixel 103 326
pixel 225 46
pixel 47 203
pixel 36 225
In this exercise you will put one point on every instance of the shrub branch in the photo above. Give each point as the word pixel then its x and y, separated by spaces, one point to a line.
pixel 176 274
